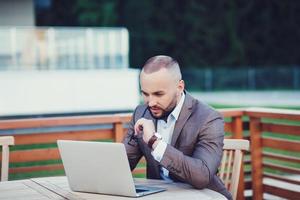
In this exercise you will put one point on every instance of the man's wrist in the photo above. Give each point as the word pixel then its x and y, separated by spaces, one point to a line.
pixel 153 141
pixel 156 143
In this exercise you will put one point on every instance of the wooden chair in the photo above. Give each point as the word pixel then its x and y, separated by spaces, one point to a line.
pixel 231 163
pixel 5 141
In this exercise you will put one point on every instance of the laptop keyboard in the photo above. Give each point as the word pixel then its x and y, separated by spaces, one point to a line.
pixel 140 190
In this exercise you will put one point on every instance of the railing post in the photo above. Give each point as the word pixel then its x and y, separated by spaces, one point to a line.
pixel 256 158
pixel 237 127
pixel 237 133
pixel 118 131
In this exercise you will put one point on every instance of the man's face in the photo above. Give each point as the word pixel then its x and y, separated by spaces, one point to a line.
pixel 161 92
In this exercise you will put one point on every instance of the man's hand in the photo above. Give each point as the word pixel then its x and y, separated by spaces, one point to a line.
pixel 145 126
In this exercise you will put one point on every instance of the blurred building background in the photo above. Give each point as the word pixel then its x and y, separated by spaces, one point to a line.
pixel 49 48
pixel 47 70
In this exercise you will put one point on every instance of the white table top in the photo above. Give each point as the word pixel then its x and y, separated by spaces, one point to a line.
pixel 58 188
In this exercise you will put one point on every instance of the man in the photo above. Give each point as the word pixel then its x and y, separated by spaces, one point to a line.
pixel 180 137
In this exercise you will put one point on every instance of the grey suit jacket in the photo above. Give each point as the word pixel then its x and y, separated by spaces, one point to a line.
pixel 195 151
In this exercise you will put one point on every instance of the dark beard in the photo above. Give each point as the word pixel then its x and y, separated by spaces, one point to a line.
pixel 164 115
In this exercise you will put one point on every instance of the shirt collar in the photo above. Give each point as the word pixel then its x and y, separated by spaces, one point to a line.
pixel 175 113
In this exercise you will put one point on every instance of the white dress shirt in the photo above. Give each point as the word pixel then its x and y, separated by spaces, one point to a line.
pixel 165 129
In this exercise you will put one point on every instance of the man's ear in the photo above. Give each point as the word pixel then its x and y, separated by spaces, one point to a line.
pixel 181 85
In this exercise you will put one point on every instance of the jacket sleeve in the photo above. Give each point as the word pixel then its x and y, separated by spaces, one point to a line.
pixel 199 168
pixel 134 153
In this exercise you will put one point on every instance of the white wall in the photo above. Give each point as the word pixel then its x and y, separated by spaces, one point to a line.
pixel 48 92
pixel 17 13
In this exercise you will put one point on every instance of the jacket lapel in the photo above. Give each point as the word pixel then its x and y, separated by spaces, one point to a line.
pixel 185 113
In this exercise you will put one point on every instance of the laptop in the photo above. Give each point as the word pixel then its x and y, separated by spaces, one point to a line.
pixel 100 167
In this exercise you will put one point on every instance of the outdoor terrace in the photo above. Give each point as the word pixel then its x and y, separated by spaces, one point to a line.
pixel 272 166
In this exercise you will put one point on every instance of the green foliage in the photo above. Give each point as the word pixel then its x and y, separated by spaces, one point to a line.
pixel 196 33
pixel 94 13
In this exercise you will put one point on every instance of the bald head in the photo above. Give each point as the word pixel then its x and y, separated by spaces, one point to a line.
pixel 160 62
pixel 161 85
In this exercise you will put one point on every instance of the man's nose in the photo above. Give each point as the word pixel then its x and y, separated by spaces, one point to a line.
pixel 152 102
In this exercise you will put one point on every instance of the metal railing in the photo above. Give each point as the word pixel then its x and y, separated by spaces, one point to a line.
pixel 242 78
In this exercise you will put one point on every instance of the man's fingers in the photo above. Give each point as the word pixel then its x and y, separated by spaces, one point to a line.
pixel 138 127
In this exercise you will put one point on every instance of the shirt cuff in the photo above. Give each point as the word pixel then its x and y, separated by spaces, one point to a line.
pixel 159 150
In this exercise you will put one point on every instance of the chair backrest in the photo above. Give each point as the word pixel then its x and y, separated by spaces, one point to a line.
pixel 231 163
pixel 5 141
